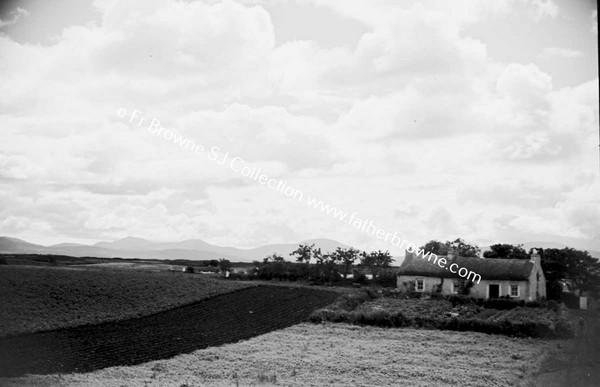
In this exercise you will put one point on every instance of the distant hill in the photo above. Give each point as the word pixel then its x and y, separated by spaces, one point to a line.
pixel 132 247
pixel 192 249
pixel 16 246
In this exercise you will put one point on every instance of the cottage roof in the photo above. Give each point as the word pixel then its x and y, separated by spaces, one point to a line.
pixel 487 268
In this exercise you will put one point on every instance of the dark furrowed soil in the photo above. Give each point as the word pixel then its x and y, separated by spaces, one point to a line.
pixel 219 320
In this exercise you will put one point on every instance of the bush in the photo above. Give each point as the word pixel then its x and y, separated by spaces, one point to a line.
pixel 459 299
pixel 551 304
pixel 502 303
pixel 387 278
pixel 323 315
pixel 492 303
pixel 351 301
pixel 240 276
pixel 338 311
pixel 533 304
pixel 570 300
pixel 413 295
pixel 554 290
pixel 378 318
pixel 522 321
pixel 360 277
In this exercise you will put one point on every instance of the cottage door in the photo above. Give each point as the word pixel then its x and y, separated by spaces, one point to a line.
pixel 494 290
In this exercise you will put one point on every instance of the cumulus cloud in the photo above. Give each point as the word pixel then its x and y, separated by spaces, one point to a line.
pixel 415 126
pixel 524 83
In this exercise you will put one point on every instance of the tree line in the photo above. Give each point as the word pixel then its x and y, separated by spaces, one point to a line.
pixel 313 265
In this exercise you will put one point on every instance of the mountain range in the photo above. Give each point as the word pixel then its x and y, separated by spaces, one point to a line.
pixel 193 249
pixel 131 247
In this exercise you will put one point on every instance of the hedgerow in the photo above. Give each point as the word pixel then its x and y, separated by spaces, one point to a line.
pixel 546 322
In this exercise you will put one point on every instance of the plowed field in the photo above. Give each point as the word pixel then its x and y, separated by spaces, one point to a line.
pixel 36 299
pixel 219 320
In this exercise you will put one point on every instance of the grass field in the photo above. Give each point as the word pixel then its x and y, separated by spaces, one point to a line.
pixel 36 298
pixel 334 354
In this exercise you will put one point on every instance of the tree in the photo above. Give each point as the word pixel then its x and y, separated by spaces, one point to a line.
pixel 435 247
pixel 555 271
pixel 583 271
pixel 273 266
pixel 304 253
pixel 367 260
pixel 382 259
pixel 273 258
pixel 328 266
pixel 376 260
pixel 575 268
pixel 460 247
pixel 319 256
pixel 224 265
pixel 506 251
pixel 345 258
pixel 464 249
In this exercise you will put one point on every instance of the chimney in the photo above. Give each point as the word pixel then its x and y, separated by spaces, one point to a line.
pixel 451 253
pixel 535 258
pixel 408 256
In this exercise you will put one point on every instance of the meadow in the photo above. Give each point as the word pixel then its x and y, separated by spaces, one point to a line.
pixel 40 298
pixel 335 355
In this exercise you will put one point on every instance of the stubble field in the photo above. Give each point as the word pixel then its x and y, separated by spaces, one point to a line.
pixel 335 355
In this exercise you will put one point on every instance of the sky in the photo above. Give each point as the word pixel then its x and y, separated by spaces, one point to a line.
pixel 428 119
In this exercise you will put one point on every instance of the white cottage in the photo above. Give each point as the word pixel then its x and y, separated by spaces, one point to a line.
pixel 520 279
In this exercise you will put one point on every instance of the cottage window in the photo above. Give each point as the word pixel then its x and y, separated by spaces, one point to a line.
pixel 455 286
pixel 514 290
pixel 419 285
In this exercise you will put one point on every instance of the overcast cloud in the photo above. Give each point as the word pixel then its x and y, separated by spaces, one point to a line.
pixel 477 119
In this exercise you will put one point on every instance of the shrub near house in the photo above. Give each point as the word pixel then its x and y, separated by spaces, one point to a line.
pixel 451 313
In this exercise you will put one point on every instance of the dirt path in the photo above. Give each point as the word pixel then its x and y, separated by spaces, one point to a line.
pixel 219 320
pixel 577 364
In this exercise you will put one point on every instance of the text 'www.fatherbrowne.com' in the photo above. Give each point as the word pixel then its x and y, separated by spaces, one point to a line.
pixel 238 165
